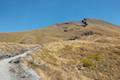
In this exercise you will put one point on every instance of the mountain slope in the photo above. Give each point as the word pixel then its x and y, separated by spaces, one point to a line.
pixel 86 50
pixel 63 31
pixel 77 60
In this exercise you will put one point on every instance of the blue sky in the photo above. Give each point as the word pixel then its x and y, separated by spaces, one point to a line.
pixel 21 15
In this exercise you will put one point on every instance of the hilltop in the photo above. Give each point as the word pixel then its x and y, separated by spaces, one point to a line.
pixel 63 31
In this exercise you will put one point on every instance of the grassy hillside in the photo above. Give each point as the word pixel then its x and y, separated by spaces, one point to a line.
pixel 63 31
pixel 77 60
pixel 71 51
pixel 8 50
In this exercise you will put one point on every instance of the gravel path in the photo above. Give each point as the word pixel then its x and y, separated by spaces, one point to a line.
pixel 4 71
pixel 12 71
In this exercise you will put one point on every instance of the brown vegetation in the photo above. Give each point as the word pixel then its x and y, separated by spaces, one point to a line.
pixel 73 52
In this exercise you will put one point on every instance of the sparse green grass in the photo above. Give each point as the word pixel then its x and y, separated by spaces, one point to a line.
pixel 71 28
pixel 90 61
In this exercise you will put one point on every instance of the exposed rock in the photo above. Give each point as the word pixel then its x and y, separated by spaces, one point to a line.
pixel 87 33
pixel 73 38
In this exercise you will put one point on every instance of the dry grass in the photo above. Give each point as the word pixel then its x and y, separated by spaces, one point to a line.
pixel 72 52
pixel 12 49
pixel 58 33
pixel 75 60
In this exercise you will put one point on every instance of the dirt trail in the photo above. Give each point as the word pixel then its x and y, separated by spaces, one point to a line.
pixel 6 74
pixel 4 71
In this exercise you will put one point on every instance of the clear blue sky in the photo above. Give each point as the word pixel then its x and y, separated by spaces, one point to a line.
pixel 20 15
